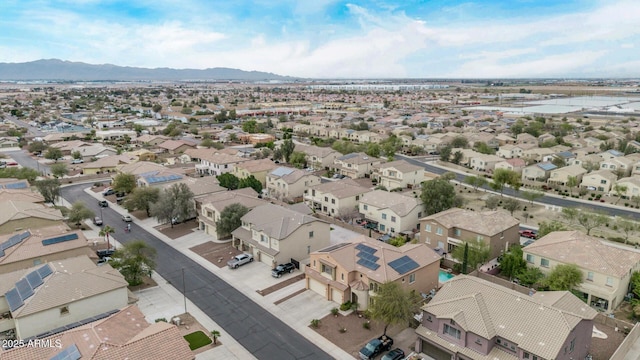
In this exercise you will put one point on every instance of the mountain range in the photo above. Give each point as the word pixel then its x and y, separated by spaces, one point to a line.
pixel 59 70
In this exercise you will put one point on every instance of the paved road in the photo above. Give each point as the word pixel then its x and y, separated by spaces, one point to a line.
pixel 550 200
pixel 32 130
pixel 23 158
pixel 261 333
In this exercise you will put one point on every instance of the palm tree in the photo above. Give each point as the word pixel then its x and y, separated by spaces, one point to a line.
pixel 215 334
pixel 105 231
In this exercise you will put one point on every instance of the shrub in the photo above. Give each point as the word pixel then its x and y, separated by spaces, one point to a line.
pixel 366 325
pixel 342 329
pixel 315 323
pixel 161 319
pixel 616 239
pixel 334 311
pixel 345 306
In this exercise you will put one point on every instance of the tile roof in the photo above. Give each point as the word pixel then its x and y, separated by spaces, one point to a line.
pixel 246 197
pixel 21 195
pixel 538 324
pixel 124 335
pixel 290 175
pixel 140 167
pixel 398 203
pixel 341 189
pixel 588 252
pixel 276 221
pixel 482 222
pixel 16 210
pixel 257 165
pixel 400 165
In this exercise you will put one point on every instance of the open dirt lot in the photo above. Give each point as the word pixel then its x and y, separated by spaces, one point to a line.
pixel 177 230
pixel 217 253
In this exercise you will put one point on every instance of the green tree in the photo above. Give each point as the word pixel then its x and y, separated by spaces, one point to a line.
pixel 459 142
pixel 134 261
pixel 478 253
pixel 511 205
pixel 76 155
pixel 492 202
pixel 475 181
pixel 106 231
pixel 230 219
pixel 59 170
pixel 545 228
pixel 445 153
pixel 250 126
pixel 530 276
pixel 298 159
pixel 53 154
pixel 457 157
pixel 251 182
pixel 438 195
pixel 228 180
pixel 513 262
pixel 502 177
pixel 465 258
pixel 19 173
pixel 208 143
pixel 448 176
pixel 49 189
pixel 287 148
pixel 620 191
pixel 156 108
pixel 215 334
pixel 78 212
pixel 37 147
pixel 591 220
pixel 142 198
pixel 531 196
pixel 124 183
pixel 175 205
pixel 572 182
pixel 483 148
pixel 393 305
pixel 563 277
pixel 626 226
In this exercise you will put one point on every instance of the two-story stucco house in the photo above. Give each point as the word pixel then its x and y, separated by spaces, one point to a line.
pixel 276 235
pixel 285 183
pixel 210 207
pixel 450 228
pixel 600 180
pixel 335 198
pixel 606 269
pixel 399 174
pixel 391 211
pixel 355 165
pixel 318 157
pixel 538 172
pixel 561 176
pixel 471 318
pixel 211 162
pixel 258 168
pixel 484 162
pixel 354 271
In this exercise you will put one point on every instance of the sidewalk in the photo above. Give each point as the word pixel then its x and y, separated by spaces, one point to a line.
pixel 296 314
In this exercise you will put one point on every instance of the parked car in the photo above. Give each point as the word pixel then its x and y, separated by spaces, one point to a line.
pixel 239 260
pixel 375 347
pixel 108 192
pixel 530 234
pixel 395 354
pixel 104 253
pixel 120 197
pixel 77 161
pixel 97 220
pixel 103 203
pixel 283 268
pixel 104 260
pixel 127 218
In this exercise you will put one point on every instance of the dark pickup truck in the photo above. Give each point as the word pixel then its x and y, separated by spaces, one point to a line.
pixel 375 347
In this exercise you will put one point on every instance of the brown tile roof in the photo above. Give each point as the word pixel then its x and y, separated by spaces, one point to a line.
pixel 201 186
pixel 402 166
pixel 588 252
pixel 16 210
pixel 21 195
pixel 110 162
pixel 276 221
pixel 214 157
pixel 141 167
pixel 257 165
pixel 482 222
pixel 398 203
pixel 174 144
pixel 246 197
pixel 539 326
pixel 124 335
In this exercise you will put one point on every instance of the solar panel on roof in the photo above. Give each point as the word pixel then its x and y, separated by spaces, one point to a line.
pixel 365 255
pixel 14 299
pixel 281 171
pixel 403 265
pixel 368 264
pixel 69 353
pixel 24 289
pixel 45 271
pixel 60 239
pixel 34 279
pixel 19 185
pixel 365 248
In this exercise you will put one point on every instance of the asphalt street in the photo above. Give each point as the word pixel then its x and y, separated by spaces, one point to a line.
pixel 549 200
pixel 23 158
pixel 261 333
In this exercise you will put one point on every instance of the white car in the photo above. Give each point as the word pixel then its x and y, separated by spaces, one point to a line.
pixel 127 218
pixel 77 161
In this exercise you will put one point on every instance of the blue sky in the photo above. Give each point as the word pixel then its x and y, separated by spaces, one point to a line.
pixel 334 38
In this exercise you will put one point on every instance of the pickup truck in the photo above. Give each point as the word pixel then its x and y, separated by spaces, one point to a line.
pixel 283 268
pixel 375 347
pixel 530 234
pixel 239 260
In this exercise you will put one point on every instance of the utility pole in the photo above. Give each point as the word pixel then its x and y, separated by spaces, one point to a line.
pixel 184 292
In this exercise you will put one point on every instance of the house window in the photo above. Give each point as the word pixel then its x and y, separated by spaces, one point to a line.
pixel 357 197
pixel 530 258
pixel 451 331
pixel 544 262
pixel 313 193
pixel 263 238
pixel 64 310
pixel 609 281
pixel 326 198
pixel 333 201
pixel 603 181
pixel 478 341
pixel 342 276
pixel 427 240
pixel 429 318
pixel 590 276
pixel 310 234
pixel 393 219
pixel 412 278
pixel 427 228
pixel 458 232
pixel 308 249
pixel 439 231
pixel 384 216
pixel 479 238
pixel 373 286
pixel 37 261
pixel 327 269
pixel 365 207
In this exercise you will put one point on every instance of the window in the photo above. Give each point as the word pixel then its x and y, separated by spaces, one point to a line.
pixel 479 238
pixel 373 286
pixel 412 278
pixel 308 249
pixel 310 234
pixel 429 319
pixel 530 258
pixel 427 228
pixel 439 231
pixel 381 227
pixel 333 201
pixel 342 276
pixel 326 198
pixel 590 276
pixel 357 197
pixel 457 232
pixel 451 331
pixel 365 207
pixel 544 262
pixel 609 281
pixel 603 181
pixel 313 193
pixel 478 341
pixel 263 238
pixel 37 261
pixel 393 219
pixel 384 216
pixel 64 310
pixel 427 240
pixel 327 269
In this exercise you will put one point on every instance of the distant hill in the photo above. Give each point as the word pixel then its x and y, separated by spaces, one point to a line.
pixel 54 69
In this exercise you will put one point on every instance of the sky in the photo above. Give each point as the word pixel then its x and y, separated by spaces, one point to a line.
pixel 334 38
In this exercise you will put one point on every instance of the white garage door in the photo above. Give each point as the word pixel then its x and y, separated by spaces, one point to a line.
pixel 336 295
pixel 264 258
pixel 318 287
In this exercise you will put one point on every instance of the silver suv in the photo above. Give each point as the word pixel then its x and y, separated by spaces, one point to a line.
pixel 239 260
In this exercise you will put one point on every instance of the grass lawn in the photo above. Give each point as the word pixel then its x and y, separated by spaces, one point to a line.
pixel 197 340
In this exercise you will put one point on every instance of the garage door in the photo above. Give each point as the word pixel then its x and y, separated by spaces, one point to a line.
pixel 336 295
pixel 264 258
pixel 318 287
